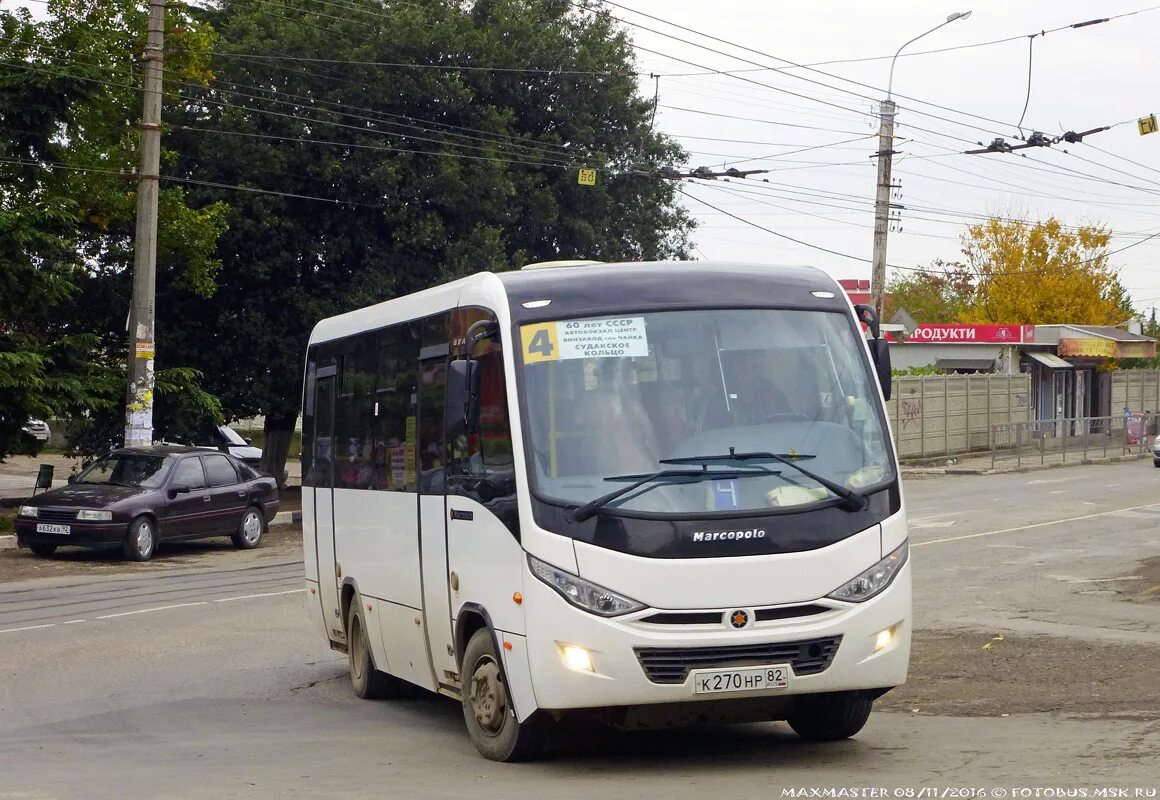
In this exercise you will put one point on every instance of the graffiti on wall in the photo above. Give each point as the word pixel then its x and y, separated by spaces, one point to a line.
pixel 910 411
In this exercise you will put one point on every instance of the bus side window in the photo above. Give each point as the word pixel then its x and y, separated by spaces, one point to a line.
pixel 481 465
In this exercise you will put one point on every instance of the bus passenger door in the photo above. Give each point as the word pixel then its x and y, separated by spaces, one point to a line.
pixel 323 461
pixel 433 517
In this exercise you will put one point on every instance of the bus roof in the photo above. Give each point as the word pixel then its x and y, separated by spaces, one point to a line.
pixel 599 288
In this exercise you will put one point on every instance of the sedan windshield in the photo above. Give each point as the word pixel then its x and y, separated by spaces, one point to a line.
pixel 125 469
pixel 713 391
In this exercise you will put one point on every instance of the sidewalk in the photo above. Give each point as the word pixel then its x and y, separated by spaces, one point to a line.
pixel 980 463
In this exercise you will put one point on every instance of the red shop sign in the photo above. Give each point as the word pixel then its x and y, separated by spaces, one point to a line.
pixel 972 334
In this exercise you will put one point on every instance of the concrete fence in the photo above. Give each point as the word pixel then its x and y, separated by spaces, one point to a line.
pixel 936 415
pixel 1138 389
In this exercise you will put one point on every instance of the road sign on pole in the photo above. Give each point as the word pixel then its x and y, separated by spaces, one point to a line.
pixel 1147 124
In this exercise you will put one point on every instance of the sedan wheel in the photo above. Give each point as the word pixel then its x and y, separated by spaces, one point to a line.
pixel 141 540
pixel 250 530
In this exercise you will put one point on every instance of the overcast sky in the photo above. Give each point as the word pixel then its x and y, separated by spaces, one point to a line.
pixel 1081 78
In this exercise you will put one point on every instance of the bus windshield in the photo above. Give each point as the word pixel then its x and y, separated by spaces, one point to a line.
pixel 684 402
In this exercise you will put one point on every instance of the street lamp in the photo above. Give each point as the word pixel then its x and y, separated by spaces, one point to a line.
pixel 951 18
pixel 885 152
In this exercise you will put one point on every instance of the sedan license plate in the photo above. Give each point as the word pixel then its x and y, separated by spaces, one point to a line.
pixel 749 679
pixel 44 527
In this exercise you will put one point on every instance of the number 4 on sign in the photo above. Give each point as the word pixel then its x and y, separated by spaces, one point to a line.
pixel 1147 125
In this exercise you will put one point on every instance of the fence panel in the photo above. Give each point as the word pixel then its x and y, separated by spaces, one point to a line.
pixel 937 415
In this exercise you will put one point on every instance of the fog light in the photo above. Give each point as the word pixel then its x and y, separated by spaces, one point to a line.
pixel 884 638
pixel 575 658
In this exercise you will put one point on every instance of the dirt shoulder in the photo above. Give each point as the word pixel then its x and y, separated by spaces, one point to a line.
pixel 973 674
pixel 283 542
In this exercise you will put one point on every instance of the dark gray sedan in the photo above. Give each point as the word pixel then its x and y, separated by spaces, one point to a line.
pixel 136 498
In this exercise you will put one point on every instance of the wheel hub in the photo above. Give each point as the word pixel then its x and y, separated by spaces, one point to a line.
pixel 488 697
pixel 252 528
pixel 144 539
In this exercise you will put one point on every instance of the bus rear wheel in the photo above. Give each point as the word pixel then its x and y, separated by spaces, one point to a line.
pixel 829 717
pixel 487 708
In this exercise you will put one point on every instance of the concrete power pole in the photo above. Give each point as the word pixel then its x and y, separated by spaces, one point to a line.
pixel 139 400
pixel 882 205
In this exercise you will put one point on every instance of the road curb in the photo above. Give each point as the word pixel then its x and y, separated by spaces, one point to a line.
pixel 7 542
pixel 283 518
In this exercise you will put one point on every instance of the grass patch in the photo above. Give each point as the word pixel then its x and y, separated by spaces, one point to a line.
pixel 7 527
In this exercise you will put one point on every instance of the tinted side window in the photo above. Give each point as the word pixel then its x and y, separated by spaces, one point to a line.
pixel 219 471
pixel 481 465
pixel 353 447
pixel 394 408
pixel 247 472
pixel 189 473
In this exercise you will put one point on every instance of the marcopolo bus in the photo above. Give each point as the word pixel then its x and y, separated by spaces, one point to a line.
pixel 650 493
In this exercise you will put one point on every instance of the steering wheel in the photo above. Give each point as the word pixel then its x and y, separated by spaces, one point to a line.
pixel 785 416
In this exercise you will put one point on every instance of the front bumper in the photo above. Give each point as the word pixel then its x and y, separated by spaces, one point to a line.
pixel 620 679
pixel 81 534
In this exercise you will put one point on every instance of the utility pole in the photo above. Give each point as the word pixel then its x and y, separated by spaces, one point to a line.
pixel 882 204
pixel 139 398
pixel 885 154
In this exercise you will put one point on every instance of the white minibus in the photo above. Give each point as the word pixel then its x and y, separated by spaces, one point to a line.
pixel 647 493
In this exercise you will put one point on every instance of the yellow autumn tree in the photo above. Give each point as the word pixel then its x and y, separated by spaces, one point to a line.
pixel 1042 273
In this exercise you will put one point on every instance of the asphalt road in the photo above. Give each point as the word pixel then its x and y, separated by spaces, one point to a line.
pixel 1037 601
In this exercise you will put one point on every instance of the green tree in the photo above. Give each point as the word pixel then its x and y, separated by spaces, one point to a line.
pixel 940 295
pixel 434 173
pixel 68 89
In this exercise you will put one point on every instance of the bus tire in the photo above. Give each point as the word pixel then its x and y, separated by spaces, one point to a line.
pixel 487 709
pixel 369 682
pixel 829 717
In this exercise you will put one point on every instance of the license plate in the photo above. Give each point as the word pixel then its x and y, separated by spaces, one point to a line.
pixel 44 527
pixel 749 679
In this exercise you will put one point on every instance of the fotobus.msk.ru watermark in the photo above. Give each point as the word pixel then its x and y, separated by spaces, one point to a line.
pixel 976 792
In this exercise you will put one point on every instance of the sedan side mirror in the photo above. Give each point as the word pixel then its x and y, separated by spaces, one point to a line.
pixel 178 488
pixel 248 441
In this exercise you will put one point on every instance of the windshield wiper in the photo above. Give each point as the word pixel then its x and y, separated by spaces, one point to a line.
pixel 852 500
pixel 581 513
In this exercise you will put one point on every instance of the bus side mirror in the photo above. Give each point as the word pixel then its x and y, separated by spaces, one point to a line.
pixel 880 350
pixel 462 401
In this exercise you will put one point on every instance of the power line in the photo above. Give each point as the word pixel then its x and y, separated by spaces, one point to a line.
pixel 896 266
pixel 753 119
pixel 826 74
pixel 441 67
pixel 51 165
pixel 921 52
pixel 361 129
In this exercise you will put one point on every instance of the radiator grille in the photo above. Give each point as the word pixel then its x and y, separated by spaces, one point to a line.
pixel 673 664
pixel 56 514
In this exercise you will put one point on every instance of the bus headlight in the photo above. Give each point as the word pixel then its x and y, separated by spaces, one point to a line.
pixel 581 593
pixel 873 580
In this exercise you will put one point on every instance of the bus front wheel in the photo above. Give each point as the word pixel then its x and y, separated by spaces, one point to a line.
pixel 829 717
pixel 487 708
pixel 369 683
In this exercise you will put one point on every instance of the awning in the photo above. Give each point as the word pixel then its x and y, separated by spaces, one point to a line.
pixel 1050 360
pixel 984 364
